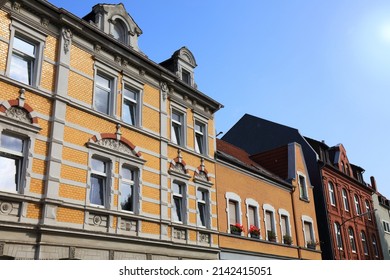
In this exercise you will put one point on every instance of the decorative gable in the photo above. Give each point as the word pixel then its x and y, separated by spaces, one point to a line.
pixel 115 21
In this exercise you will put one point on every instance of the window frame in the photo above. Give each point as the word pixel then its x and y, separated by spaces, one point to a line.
pixel 284 213
pixel 338 235
pixel 375 245
pixel 267 208
pixel 303 190
pixel 344 194
pixel 358 209
pixel 308 220
pixel 251 203
pixel 20 157
pixel 134 186
pixel 206 204
pixel 137 88
pixel 230 196
pixel 106 180
pixel 363 238
pixel 34 37
pixel 368 209
pixel 332 194
pixel 183 202
pixel 386 226
pixel 352 240
pixel 182 127
pixel 204 137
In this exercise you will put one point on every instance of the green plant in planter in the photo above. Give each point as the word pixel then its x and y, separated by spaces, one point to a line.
pixel 312 244
pixel 271 235
pixel 236 229
pixel 287 239
pixel 254 231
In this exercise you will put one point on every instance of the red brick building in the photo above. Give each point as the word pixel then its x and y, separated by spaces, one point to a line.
pixel 348 199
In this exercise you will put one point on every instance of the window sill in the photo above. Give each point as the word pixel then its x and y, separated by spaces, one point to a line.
pixel 305 199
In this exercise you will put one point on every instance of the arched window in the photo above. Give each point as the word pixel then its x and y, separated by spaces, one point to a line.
pixel 368 209
pixel 357 205
pixel 119 31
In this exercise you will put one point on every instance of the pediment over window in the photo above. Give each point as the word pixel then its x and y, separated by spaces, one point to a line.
pixel 114 20
pixel 19 113
pixel 115 144
pixel 178 168
pixel 201 175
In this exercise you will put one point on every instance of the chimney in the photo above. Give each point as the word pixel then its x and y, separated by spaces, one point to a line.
pixel 373 183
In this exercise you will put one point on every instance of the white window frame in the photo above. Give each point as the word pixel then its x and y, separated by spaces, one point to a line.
pixel 203 135
pixel 352 239
pixel 307 219
pixel 338 235
pixel 106 176
pixel 34 37
pixel 284 213
pixel 183 198
pixel 344 194
pixel 363 238
pixel 375 246
pixel 137 88
pixel 206 204
pixel 386 226
pixel 21 157
pixel 134 186
pixel 269 208
pixel 182 123
pixel 230 196
pixel 358 208
pixel 250 202
pixel 303 190
pixel 332 193
pixel 368 209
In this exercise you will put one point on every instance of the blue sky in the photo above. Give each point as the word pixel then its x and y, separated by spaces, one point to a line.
pixel 322 67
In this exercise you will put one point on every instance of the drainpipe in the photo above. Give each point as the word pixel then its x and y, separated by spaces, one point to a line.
pixel 295 222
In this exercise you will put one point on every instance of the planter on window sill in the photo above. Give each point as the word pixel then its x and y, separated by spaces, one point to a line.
pixel 236 233
pixel 255 236
pixel 311 246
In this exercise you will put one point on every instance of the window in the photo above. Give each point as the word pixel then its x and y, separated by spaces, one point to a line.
pixel 339 240
pixel 375 246
pixel 177 128
pixel 202 201
pixel 345 200
pixel 233 212
pixel 332 197
pixel 130 109
pixel 99 182
pixel 186 76
pixel 128 189
pixel 308 230
pixel 386 226
pixel 178 202
pixel 357 205
pixel 347 170
pixel 119 31
pixel 285 225
pixel 103 89
pixel 25 54
pixel 303 187
pixel 364 242
pixel 252 214
pixel 23 59
pixel 368 210
pixel 352 239
pixel 11 162
pixel 269 222
pixel 200 137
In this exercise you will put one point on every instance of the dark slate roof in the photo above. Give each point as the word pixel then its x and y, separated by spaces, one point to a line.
pixel 250 131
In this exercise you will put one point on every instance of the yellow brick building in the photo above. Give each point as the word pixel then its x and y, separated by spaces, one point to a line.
pixel 104 154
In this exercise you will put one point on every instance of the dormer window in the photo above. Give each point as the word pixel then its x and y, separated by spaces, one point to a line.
pixel 119 31
pixel 186 77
